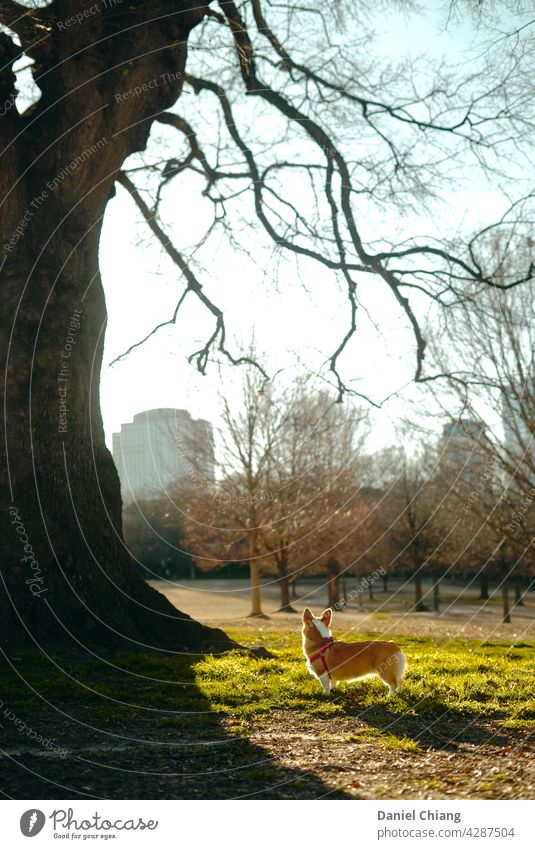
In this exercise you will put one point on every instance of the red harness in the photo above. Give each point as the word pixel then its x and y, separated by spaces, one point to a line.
pixel 320 655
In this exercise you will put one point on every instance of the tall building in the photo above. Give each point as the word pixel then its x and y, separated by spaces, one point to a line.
pixel 159 447
pixel 518 416
pixel 461 446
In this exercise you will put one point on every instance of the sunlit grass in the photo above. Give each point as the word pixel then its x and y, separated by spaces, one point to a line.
pixel 461 677
pixel 450 689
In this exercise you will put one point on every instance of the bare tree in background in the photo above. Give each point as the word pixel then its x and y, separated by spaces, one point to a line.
pixel 232 511
pixel 491 380
pixel 288 475
pixel 284 119
pixel 314 478
pixel 412 509
pixel 155 536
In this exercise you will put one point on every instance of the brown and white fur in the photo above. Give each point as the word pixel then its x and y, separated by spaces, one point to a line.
pixel 349 661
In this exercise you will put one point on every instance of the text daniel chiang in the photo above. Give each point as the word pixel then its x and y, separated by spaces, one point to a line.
pixel 425 815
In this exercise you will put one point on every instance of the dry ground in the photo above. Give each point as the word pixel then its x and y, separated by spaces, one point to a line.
pixel 489 764
pixel 225 604
pixel 233 727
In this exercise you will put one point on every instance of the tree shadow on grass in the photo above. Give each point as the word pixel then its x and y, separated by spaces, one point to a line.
pixel 169 745
pixel 430 722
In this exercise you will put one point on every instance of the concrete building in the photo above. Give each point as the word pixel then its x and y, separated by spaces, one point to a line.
pixel 518 416
pixel 159 447
pixel 460 447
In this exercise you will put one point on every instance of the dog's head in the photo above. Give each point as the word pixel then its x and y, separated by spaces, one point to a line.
pixel 314 627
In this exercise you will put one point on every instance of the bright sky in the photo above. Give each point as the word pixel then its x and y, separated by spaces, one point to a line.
pixel 142 289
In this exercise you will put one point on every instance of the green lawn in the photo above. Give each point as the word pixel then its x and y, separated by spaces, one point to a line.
pixel 460 683
pixel 141 726
pixel 453 687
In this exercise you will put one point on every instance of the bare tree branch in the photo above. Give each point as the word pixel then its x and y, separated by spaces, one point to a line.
pixel 218 337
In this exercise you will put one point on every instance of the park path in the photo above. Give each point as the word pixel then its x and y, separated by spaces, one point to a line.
pixel 225 604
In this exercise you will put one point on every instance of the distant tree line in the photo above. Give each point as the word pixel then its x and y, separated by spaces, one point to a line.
pixel 297 493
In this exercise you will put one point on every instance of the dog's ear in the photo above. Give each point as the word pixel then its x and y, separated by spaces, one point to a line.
pixel 327 616
pixel 307 615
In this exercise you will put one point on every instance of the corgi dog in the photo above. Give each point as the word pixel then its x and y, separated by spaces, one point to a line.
pixel 332 661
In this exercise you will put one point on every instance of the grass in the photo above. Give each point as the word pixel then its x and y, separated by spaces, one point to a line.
pixel 145 726
pixel 452 690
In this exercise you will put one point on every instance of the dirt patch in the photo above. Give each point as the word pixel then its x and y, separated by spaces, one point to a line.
pixel 195 757
pixel 282 755
pixel 329 750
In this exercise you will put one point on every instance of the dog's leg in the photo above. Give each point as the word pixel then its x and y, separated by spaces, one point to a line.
pixel 326 682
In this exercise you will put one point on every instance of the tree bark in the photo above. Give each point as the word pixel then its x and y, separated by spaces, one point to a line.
pixel 519 601
pixel 419 605
pixel 436 595
pixel 66 574
pixel 286 605
pixel 385 583
pixel 256 603
pixel 333 587
pixel 506 606
pixel 284 583
pixel 254 565
pixel 484 587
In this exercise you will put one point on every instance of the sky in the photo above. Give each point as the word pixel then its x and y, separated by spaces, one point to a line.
pixel 290 321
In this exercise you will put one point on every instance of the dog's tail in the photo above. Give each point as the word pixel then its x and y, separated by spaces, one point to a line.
pixel 400 668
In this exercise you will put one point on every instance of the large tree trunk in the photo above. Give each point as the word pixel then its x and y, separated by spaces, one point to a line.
pixel 484 587
pixel 66 574
pixel 65 567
